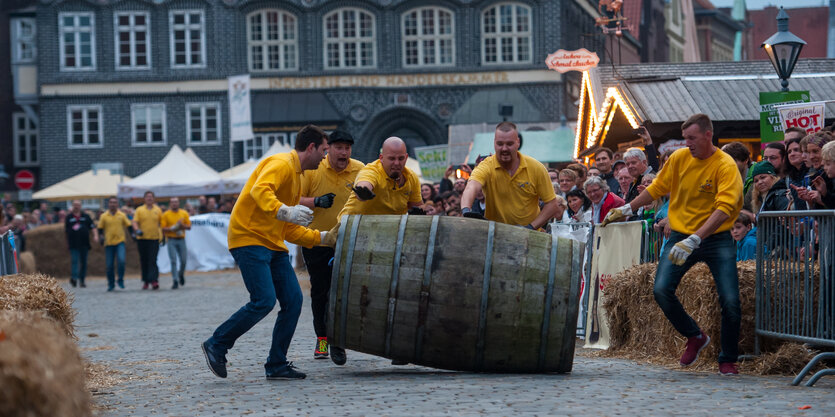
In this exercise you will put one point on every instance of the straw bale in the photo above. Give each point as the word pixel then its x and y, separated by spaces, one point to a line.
pixel 41 371
pixel 789 359
pixel 49 245
pixel 27 262
pixel 37 292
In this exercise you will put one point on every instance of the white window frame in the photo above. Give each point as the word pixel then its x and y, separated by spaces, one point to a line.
pixel 147 107
pixel 203 121
pixel 85 121
pixel 29 132
pixel 281 43
pixel 420 37
pixel 266 141
pixel 18 39
pixel 132 29
pixel 187 27
pixel 342 41
pixel 498 35
pixel 76 30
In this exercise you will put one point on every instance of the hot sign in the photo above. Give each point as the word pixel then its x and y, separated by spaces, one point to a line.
pixel 807 116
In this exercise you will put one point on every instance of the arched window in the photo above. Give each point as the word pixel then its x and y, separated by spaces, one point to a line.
pixel 428 37
pixel 506 34
pixel 350 40
pixel 272 41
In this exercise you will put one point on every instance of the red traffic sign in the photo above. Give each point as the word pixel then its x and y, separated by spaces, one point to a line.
pixel 24 179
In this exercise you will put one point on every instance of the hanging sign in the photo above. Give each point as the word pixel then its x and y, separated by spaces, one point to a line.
pixel 563 61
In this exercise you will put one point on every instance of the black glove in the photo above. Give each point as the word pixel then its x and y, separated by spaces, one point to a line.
pixel 417 211
pixel 324 201
pixel 363 193
pixel 468 212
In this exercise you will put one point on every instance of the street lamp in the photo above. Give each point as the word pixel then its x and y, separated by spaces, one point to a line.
pixel 783 48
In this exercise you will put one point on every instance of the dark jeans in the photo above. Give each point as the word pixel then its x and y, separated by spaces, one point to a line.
pixel 316 259
pixel 719 253
pixel 148 250
pixel 267 276
pixel 79 263
pixel 115 253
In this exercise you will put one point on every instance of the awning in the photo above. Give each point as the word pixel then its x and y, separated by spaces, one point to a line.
pixel 544 145
pixel 87 185
pixel 270 109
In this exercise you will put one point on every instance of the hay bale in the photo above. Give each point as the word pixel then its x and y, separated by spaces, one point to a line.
pixel 789 359
pixel 38 292
pixel 41 371
pixel 49 245
pixel 27 262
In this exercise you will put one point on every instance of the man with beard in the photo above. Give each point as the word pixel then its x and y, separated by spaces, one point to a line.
pixel 325 190
pixel 513 184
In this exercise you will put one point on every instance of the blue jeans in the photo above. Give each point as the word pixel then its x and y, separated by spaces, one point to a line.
pixel 268 276
pixel 117 253
pixel 177 248
pixel 719 253
pixel 79 263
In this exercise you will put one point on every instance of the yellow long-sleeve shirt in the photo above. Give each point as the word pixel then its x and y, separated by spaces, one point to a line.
pixel 697 188
pixel 390 198
pixel 276 181
pixel 325 180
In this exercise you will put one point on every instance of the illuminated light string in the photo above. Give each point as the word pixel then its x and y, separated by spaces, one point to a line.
pixel 596 123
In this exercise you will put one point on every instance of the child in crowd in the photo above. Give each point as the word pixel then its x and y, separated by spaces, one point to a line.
pixel 745 235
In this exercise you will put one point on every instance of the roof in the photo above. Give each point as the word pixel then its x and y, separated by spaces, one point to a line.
pixel 292 108
pixel 544 145
pixel 87 185
pixel 177 174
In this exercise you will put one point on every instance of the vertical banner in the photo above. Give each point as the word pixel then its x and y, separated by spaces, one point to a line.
pixel 240 116
pixel 771 129
pixel 807 116
pixel 616 247
pixel 433 161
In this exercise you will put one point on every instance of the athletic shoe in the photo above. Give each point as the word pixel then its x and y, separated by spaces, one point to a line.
pixel 82 284
pixel 155 285
pixel 338 355
pixel 175 286
pixel 694 345
pixel 182 280
pixel 72 282
pixel 121 284
pixel 728 368
pixel 289 372
pixel 144 285
pixel 109 289
pixel 321 350
pixel 216 362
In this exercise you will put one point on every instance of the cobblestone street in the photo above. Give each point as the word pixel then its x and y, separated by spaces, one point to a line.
pixel 152 338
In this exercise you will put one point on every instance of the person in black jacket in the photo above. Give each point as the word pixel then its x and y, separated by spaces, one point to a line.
pixel 77 225
pixel 770 194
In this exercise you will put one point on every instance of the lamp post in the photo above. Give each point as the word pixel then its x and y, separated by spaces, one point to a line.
pixel 783 49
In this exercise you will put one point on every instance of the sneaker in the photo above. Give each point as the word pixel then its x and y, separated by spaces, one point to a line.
pixel 121 284
pixel 728 368
pixel 155 285
pixel 216 362
pixel 82 284
pixel 72 282
pixel 109 289
pixel 694 345
pixel 338 355
pixel 398 362
pixel 144 285
pixel 182 280
pixel 174 287
pixel 289 372
pixel 321 350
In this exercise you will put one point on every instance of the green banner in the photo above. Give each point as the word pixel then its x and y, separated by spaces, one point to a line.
pixel 771 130
pixel 433 160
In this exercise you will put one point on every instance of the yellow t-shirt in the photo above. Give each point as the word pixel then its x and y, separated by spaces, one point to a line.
pixel 148 221
pixel 389 199
pixel 325 180
pixel 114 227
pixel 697 188
pixel 170 218
pixel 513 200
pixel 276 181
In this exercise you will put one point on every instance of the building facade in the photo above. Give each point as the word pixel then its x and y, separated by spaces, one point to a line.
pixel 122 81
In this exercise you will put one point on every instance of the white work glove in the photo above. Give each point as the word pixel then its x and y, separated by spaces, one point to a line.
pixel 329 238
pixel 616 214
pixel 299 214
pixel 681 250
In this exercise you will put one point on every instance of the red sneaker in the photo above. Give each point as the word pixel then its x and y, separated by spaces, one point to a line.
pixel 728 368
pixel 694 345
pixel 144 285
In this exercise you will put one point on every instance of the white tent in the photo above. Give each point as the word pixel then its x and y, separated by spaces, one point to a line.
pixel 178 174
pixel 236 177
pixel 87 185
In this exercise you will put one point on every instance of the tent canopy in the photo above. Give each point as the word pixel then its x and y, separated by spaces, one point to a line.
pixel 87 185
pixel 236 177
pixel 544 145
pixel 178 174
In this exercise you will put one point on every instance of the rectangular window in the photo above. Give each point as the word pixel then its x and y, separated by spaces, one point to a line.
pixel 132 40
pixel 25 133
pixel 77 41
pixel 148 121
pixel 24 48
pixel 84 127
pixel 188 39
pixel 203 123
pixel 258 146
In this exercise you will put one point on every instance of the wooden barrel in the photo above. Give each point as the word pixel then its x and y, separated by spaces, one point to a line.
pixel 455 293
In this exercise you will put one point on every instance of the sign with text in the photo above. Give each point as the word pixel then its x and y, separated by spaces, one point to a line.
pixel 240 116
pixel 433 160
pixel 771 129
pixel 563 61
pixel 807 116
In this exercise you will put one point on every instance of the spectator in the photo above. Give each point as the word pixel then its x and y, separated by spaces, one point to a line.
pixel 19 228
pixel 429 209
pixel 11 211
pixel 554 175
pixel 227 206
pixel 795 169
pixel 567 180
pixel 43 213
pixel 4 225
pixel 775 153
pixel 438 201
pixel 664 158
pixel 769 193
pixel 427 192
pixel 452 199
pixel 594 172
pixel 793 133
pixel 581 172
pixel 617 156
pixel 742 157
pixel 189 209
pixel 823 194
pixel 202 201
pixel 561 216
pixel 55 217
pixel 624 180
pixel 34 219
pixel 603 161
pixel 745 235
pixel 454 212
pixel 617 166
pixel 602 200
pixel 211 203
pixel 77 228
pixel 649 211
pixel 62 216
pixel 811 145
pixel 437 187
pixel 479 205
pixel 637 165
pixel 203 209
pixel 579 206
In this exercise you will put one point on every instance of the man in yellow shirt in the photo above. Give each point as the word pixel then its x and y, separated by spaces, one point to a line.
pixel 174 224
pixel 325 190
pixel 266 214
pixel 513 184
pixel 705 199
pixel 112 224
pixel 146 225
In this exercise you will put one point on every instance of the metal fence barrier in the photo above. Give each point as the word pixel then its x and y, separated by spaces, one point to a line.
pixel 8 254
pixel 795 285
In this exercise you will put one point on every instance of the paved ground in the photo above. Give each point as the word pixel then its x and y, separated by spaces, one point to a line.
pixel 153 340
